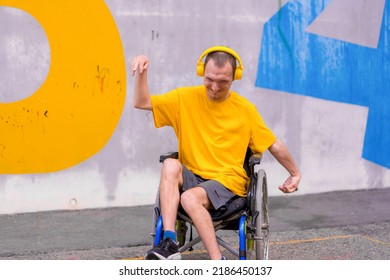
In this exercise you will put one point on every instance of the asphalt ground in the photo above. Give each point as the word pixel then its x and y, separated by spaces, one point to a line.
pixel 344 225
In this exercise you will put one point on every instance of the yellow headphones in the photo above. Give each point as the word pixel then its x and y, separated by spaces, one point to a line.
pixel 200 64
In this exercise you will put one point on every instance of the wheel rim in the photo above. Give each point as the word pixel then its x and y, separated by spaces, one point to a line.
pixel 262 221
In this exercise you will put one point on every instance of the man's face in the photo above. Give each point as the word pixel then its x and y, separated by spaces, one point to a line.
pixel 218 80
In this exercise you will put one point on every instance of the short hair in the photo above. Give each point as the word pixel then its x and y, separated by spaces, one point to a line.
pixel 220 58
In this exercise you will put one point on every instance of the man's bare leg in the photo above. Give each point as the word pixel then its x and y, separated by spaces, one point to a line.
pixel 170 182
pixel 196 202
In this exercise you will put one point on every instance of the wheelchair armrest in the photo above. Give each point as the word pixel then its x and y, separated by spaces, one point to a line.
pixel 255 159
pixel 174 155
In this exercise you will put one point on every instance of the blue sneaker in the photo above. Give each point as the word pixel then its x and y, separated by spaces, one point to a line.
pixel 167 249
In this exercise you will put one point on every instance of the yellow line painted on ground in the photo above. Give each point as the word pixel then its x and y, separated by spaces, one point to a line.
pixel 330 238
pixel 311 240
pixel 376 240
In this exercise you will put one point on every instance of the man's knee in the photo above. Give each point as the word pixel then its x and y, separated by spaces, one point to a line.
pixel 194 198
pixel 185 199
pixel 171 168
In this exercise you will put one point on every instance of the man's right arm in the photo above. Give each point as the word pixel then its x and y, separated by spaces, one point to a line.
pixel 139 67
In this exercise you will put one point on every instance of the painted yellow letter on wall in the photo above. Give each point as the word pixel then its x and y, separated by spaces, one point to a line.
pixel 76 110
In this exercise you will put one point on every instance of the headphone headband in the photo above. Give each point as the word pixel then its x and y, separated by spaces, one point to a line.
pixel 200 64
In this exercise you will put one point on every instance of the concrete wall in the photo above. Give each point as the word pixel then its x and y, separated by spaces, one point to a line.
pixel 70 139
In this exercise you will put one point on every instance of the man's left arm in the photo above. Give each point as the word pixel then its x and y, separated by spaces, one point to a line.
pixel 283 156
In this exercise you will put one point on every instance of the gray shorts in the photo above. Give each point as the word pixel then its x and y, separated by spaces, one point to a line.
pixel 218 194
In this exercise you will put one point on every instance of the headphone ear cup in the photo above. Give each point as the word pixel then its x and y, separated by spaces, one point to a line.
pixel 238 73
pixel 200 69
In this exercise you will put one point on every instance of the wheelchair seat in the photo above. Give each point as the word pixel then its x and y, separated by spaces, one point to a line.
pixel 248 215
pixel 237 204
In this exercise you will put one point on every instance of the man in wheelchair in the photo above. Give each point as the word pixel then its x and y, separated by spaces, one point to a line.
pixel 214 126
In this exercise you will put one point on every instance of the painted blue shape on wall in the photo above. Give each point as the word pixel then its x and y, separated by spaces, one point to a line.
pixel 295 61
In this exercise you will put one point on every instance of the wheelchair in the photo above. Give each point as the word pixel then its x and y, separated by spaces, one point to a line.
pixel 246 215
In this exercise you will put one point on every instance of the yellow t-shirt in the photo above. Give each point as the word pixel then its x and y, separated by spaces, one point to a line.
pixel 213 136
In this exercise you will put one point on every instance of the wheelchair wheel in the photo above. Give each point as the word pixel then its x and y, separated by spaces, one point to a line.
pixel 260 220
